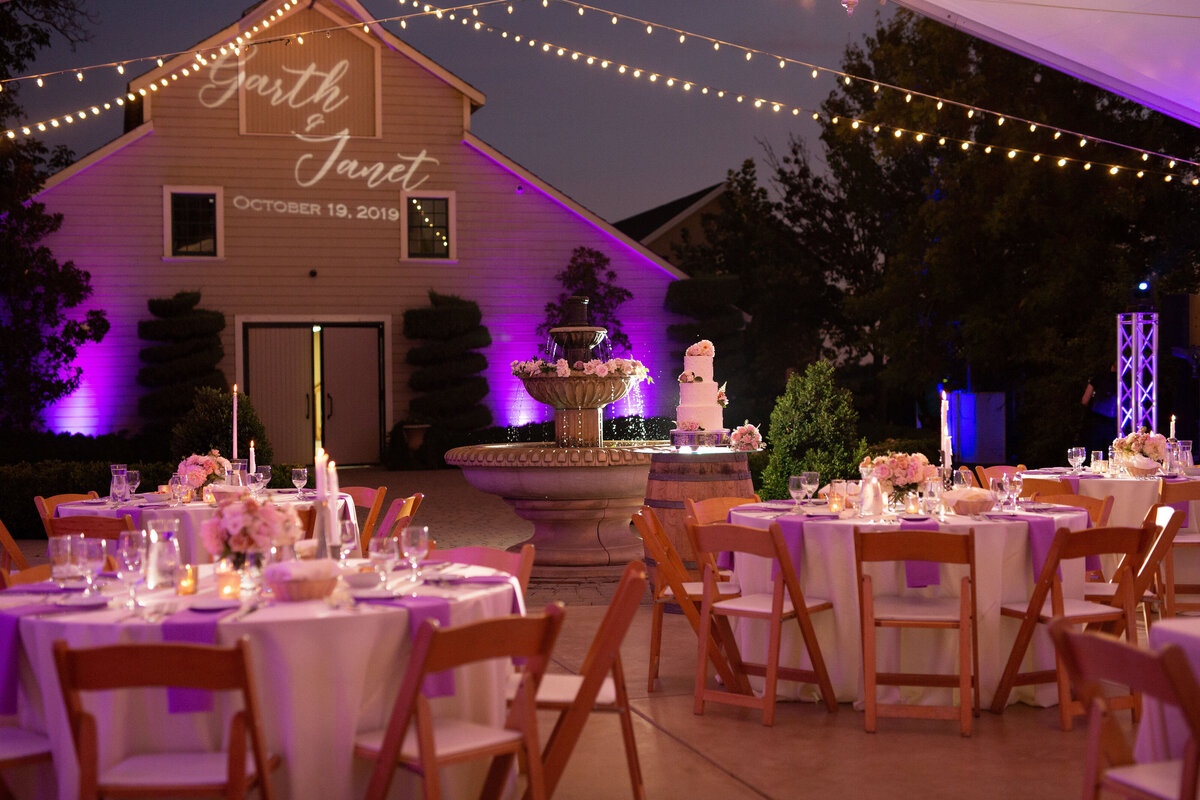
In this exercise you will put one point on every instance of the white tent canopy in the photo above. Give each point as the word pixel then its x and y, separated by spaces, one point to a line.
pixel 1146 50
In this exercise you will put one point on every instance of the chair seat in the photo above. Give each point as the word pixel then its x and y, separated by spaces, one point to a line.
pixel 18 743
pixel 760 603
pixel 696 588
pixel 890 607
pixel 560 689
pixel 171 769
pixel 1072 607
pixel 1156 779
pixel 451 737
pixel 1106 589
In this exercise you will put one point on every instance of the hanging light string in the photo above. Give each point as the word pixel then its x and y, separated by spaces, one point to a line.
pixel 427 10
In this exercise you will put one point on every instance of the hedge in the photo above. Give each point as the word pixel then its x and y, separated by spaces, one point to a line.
pixel 448 373
pixel 447 349
pixel 159 353
pixel 195 323
pixel 175 306
pixel 438 403
pixel 176 372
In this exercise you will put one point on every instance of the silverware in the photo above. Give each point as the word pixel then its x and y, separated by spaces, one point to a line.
pixel 249 608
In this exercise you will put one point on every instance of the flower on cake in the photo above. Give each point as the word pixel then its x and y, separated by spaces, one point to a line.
pixel 722 400
pixel 618 367
pixel 202 470
pixel 689 425
pixel 245 525
pixel 746 437
pixel 900 471
pixel 701 348
pixel 1142 443
pixel 687 376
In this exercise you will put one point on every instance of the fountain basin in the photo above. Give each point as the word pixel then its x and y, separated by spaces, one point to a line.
pixel 580 499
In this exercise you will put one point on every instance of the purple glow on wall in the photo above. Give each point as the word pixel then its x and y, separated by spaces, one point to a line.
pixel 86 410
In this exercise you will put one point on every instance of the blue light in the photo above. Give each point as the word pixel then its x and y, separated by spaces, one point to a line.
pixel 1143 286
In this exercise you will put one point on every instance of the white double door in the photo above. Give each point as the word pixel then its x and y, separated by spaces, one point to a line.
pixel 316 383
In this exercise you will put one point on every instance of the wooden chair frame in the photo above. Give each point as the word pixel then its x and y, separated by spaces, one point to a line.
pixel 1178 492
pixel 1032 486
pixel 1099 508
pixel 518 564
pixel 1147 582
pixel 668 572
pixel 10 553
pixel 942 548
pixel 372 500
pixel 18 748
pixel 712 509
pixel 714 612
pixel 47 505
pixel 436 649
pixel 576 695
pixel 127 666
pixel 1068 544
pixel 90 527
pixel 1091 659
pixel 399 515
pixel 985 474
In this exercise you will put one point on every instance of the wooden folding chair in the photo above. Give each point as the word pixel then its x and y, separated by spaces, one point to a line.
pixel 1047 602
pixel 519 564
pixel 986 474
pixel 157 773
pixel 19 747
pixel 47 505
pixel 786 602
pixel 28 575
pixel 1094 659
pixel 1035 486
pixel 372 500
pixel 598 686
pixel 1170 492
pixel 1099 508
pixel 420 742
pixel 400 507
pixel 712 509
pixel 1162 523
pixel 10 553
pixel 672 584
pixel 910 610
pixel 90 527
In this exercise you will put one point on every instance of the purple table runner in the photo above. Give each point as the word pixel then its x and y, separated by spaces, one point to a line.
pixel 10 648
pixel 421 608
pixel 191 627
pixel 518 603
pixel 42 587
pixel 920 573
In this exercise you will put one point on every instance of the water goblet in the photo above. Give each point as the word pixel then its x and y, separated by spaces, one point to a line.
pixel 116 489
pixel 1016 483
pixel 265 472
pixel 1075 457
pixel 348 540
pixel 300 478
pixel 179 488
pixel 810 482
pixel 62 564
pixel 414 542
pixel 962 480
pixel 1000 490
pixel 796 489
pixel 133 479
pixel 131 562
pixel 89 560
pixel 383 553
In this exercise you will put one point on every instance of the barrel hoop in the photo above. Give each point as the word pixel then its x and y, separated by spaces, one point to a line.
pixel 654 502
pixel 726 476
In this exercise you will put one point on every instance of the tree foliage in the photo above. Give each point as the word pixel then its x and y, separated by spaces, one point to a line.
pixel 590 273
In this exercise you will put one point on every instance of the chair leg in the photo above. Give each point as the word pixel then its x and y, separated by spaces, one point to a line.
pixel 772 676
pixel 704 636
pixel 869 669
pixel 626 718
pixel 1065 715
pixel 1169 581
pixel 966 705
pixel 656 623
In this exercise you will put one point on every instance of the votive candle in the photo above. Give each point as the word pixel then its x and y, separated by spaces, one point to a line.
pixel 229 584
pixel 185 579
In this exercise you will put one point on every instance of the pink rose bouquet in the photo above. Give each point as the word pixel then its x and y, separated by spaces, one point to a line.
pixel 246 525
pixel 900 471
pixel 1142 443
pixel 689 425
pixel 203 470
pixel 701 348
pixel 618 367
pixel 746 437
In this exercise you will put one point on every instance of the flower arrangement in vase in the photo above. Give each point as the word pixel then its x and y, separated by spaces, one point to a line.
pixel 201 470
pixel 746 437
pixel 616 367
pixel 1141 452
pixel 900 472
pixel 244 526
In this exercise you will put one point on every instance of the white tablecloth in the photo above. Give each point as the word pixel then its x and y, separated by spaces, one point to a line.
pixel 1162 733
pixel 148 507
pixel 322 675
pixel 1004 573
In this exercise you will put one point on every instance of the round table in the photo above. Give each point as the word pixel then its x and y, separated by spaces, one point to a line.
pixel 1004 572
pixel 323 675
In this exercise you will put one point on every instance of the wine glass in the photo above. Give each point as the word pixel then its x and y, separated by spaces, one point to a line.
pixel 414 542
pixel 962 480
pixel 1075 457
pixel 796 489
pixel 179 488
pixel 300 478
pixel 348 540
pixel 133 479
pixel 1015 484
pixel 383 553
pixel 1000 489
pixel 131 562
pixel 810 482
pixel 62 564
pixel 265 472
pixel 117 488
pixel 89 560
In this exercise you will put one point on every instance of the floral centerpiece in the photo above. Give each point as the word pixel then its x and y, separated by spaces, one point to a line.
pixel 746 437
pixel 615 367
pixel 200 471
pixel 900 472
pixel 244 526
pixel 1141 452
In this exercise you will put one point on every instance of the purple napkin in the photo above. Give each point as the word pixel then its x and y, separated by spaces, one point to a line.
pixel 10 646
pixel 1041 535
pixel 920 573
pixel 191 627
pixel 42 587
pixel 421 608
pixel 518 604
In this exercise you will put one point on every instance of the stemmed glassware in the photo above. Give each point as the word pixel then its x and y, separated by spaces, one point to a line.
pixel 414 542
pixel 383 552
pixel 1075 457
pixel 265 472
pixel 62 563
pixel 300 478
pixel 348 540
pixel 1015 484
pixel 131 562
pixel 796 489
pixel 133 479
pixel 179 488
pixel 810 482
pixel 1000 488
pixel 89 560
pixel 117 487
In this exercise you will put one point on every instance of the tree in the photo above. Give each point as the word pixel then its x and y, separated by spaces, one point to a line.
pixel 999 273
pixel 589 273
pixel 40 335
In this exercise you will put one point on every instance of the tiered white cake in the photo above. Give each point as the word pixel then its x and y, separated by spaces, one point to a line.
pixel 699 410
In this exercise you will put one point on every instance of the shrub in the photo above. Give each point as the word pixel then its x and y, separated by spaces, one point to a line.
pixel 813 427
pixel 209 423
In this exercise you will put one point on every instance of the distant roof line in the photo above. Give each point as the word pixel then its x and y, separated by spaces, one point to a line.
pixel 641 226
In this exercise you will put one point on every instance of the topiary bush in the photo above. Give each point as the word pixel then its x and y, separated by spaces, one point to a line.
pixel 209 424
pixel 187 361
pixel 813 427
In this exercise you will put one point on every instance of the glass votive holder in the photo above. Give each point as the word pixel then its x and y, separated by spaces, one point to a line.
pixel 186 579
pixel 208 495
pixel 912 503
pixel 229 582
pixel 837 496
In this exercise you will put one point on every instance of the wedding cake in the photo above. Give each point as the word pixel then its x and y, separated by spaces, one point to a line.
pixel 699 415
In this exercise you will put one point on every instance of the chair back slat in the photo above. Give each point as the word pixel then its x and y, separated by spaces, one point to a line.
pixel 370 499
pixel 1100 541
pixel 1099 508
pixel 1178 491
pixel 125 666
pixel 518 564
pixel 944 548
pixel 90 527
pixel 499 637
pixel 716 537
pixel 400 507
pixel 1033 486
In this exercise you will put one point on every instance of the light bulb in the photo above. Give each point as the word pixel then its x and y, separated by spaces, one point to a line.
pixel 939 105
pixel 1000 121
pixel 1012 153
pixel 1062 162
pixel 814 74
pixel 920 137
pixel 1037 157
pixel 79 76
pixel 875 88
pixel 39 82
pixel 898 133
pixel 1032 127
pixel 1113 171
pixel 1088 165
pixel 908 97
pixel 988 149
pixel 120 69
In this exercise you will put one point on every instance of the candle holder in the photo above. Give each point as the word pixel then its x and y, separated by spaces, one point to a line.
pixel 229 581
pixel 912 503
pixel 186 579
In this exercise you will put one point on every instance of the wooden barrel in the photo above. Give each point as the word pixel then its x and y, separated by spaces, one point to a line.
pixel 678 475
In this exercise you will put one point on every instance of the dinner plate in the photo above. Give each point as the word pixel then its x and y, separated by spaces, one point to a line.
pixel 914 517
pixel 215 604
pixel 99 501
pixel 372 594
pixel 1039 506
pixel 83 601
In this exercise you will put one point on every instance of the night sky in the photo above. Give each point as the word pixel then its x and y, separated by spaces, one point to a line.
pixel 616 144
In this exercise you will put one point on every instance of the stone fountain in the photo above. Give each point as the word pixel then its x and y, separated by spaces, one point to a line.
pixel 579 492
